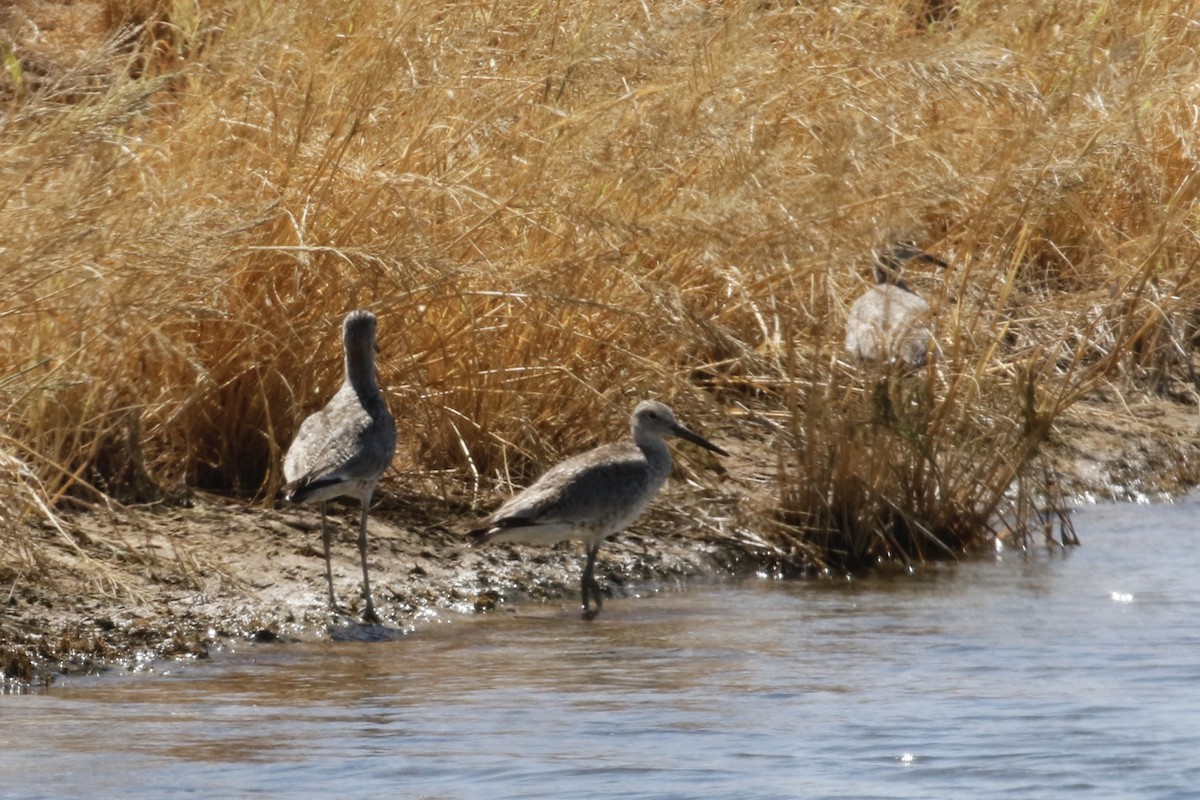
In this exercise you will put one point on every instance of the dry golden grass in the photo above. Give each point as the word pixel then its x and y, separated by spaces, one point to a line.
pixel 558 208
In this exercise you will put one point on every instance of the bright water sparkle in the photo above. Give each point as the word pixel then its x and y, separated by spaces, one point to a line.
pixel 1050 675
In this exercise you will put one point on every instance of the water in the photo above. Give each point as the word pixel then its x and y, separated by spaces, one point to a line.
pixel 1024 676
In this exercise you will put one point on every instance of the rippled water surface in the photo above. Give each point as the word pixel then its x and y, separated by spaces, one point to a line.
pixel 1026 676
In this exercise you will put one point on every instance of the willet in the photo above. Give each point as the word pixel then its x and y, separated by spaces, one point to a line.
pixel 343 449
pixel 890 322
pixel 595 494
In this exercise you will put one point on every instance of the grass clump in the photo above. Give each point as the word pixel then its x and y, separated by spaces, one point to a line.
pixel 558 209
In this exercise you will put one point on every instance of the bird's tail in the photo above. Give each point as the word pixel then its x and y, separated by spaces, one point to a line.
pixel 480 536
pixel 303 488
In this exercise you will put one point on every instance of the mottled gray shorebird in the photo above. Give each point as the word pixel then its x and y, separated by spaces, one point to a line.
pixel 890 323
pixel 343 449
pixel 595 494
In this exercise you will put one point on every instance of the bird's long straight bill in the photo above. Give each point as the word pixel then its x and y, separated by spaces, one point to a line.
pixel 695 438
pixel 934 260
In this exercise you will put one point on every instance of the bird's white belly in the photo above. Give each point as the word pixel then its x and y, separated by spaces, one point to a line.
pixel 592 531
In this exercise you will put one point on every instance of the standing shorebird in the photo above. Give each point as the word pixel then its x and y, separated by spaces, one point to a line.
pixel 343 449
pixel 890 322
pixel 595 494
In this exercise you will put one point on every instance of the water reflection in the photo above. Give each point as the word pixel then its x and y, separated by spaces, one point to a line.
pixel 1024 675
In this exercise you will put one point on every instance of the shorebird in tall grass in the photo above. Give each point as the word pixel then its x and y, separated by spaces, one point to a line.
pixel 593 495
pixel 891 323
pixel 343 449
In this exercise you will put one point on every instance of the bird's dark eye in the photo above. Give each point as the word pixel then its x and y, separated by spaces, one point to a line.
pixel 651 415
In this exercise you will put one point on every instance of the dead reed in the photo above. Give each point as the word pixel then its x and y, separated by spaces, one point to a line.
pixel 558 208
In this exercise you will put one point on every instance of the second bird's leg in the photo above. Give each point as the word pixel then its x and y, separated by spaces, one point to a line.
pixel 590 584
pixel 325 536
pixel 369 614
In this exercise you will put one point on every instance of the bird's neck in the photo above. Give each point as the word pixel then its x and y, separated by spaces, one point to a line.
pixel 657 454
pixel 360 370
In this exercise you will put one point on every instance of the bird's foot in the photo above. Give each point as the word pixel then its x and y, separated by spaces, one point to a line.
pixel 590 613
pixel 370 617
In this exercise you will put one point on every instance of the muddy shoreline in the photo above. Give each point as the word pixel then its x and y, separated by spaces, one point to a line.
pixel 127 589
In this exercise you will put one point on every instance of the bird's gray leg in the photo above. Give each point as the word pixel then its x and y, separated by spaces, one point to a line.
pixel 590 585
pixel 584 585
pixel 325 536
pixel 369 614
